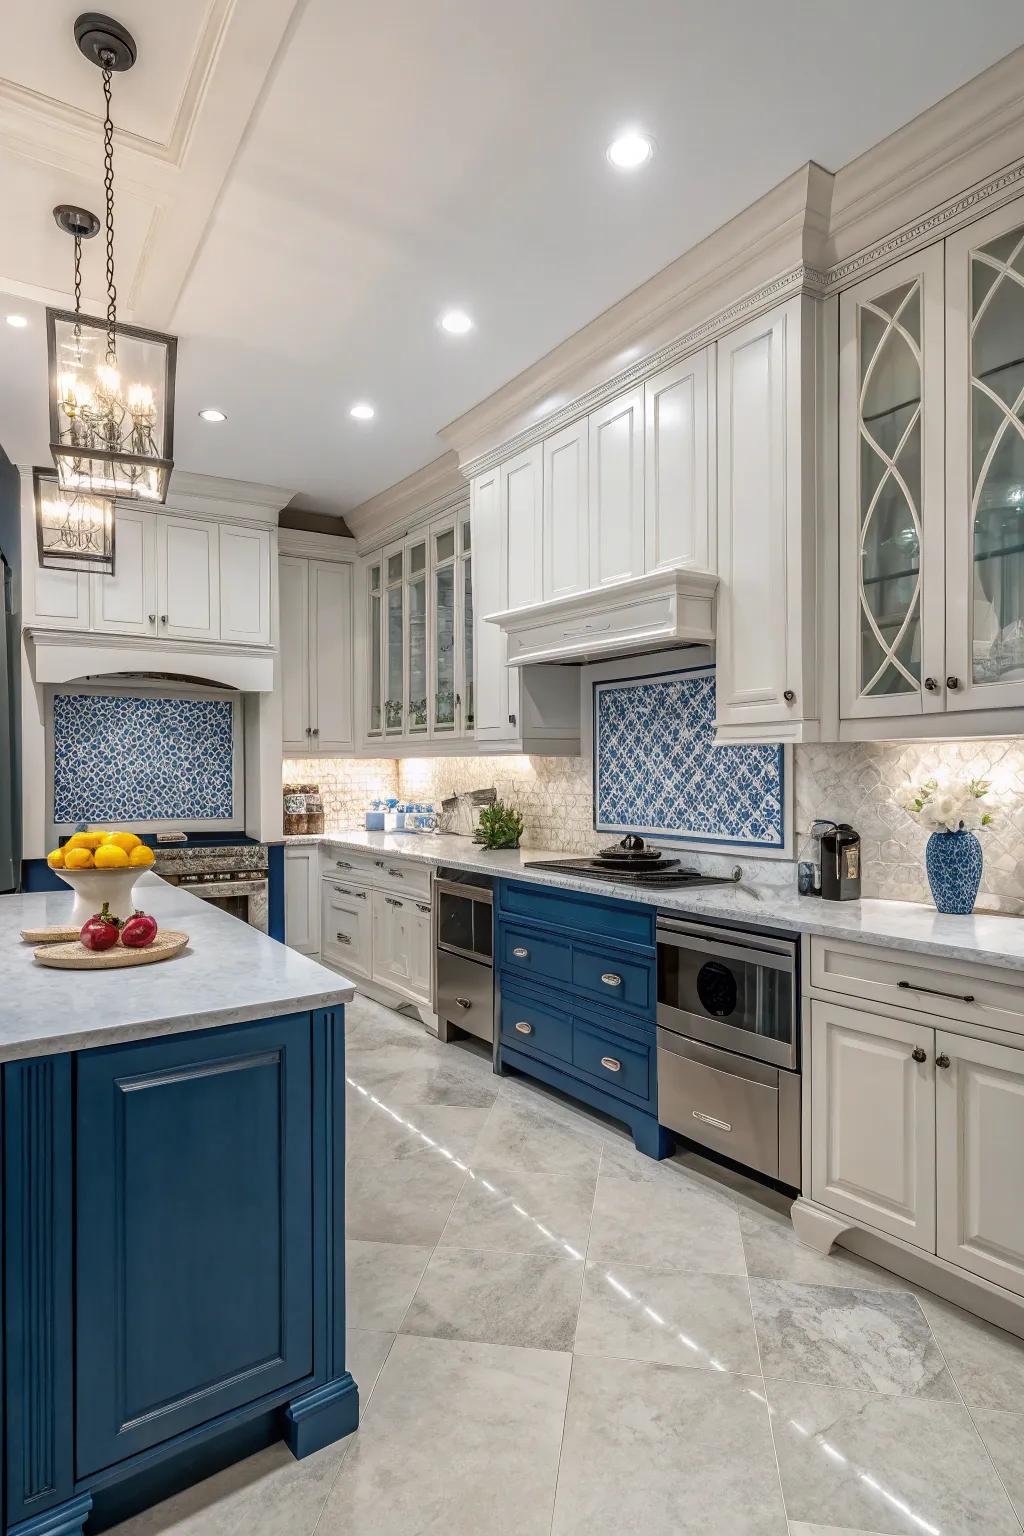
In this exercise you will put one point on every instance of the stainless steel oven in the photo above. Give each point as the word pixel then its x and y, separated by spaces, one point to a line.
pixel 729 1043
pixel 463 940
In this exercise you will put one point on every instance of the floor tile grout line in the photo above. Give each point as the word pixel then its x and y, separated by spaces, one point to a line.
pixel 764 1389
pixel 967 1409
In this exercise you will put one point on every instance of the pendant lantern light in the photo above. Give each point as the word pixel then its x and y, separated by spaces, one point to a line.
pixel 111 385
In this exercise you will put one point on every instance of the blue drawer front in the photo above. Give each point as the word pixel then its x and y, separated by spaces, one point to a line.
pixel 526 952
pixel 531 1025
pixel 623 1066
pixel 626 922
pixel 614 979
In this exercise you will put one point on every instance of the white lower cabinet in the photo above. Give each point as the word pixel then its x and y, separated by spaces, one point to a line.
pixel 873 1120
pixel 346 927
pixel 302 899
pixel 393 941
pixel 979 1140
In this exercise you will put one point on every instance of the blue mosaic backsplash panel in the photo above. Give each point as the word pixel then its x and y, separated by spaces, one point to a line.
pixel 658 772
pixel 124 758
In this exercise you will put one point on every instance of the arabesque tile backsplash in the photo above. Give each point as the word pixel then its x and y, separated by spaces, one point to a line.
pixel 852 782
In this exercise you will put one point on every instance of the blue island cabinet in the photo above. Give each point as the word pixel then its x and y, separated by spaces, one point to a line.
pixel 173 1264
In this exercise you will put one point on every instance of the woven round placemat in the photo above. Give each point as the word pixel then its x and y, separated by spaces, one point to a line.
pixel 75 957
pixel 49 935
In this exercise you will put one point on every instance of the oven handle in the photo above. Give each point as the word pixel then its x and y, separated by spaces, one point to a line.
pixel 771 959
pixel 471 892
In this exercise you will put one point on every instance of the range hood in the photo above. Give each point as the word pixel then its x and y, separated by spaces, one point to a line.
pixel 642 613
pixel 60 656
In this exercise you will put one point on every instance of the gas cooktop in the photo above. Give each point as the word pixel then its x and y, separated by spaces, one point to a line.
pixel 631 862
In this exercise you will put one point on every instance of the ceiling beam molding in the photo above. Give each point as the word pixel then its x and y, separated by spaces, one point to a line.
pixel 439 487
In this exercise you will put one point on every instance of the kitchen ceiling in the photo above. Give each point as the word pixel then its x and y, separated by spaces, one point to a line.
pixel 305 188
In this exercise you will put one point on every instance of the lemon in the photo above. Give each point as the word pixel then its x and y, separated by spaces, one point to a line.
pixel 109 856
pixel 89 840
pixel 141 857
pixel 125 840
pixel 56 858
pixel 78 858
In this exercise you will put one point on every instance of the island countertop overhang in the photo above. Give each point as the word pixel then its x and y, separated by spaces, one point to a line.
pixel 229 974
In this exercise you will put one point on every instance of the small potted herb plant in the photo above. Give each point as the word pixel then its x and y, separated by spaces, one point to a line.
pixel 501 826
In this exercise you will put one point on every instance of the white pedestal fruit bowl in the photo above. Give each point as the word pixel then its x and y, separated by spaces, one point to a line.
pixel 93 887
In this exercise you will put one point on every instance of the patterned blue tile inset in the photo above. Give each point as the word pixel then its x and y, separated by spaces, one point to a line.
pixel 124 758
pixel 657 770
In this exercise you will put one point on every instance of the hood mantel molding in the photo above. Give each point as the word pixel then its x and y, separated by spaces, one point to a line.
pixel 61 656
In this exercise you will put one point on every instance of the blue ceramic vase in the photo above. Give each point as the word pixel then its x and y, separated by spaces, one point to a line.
pixel 953 861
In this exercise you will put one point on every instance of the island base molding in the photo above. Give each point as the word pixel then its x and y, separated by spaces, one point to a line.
pixel 320 1417
pixel 819 1228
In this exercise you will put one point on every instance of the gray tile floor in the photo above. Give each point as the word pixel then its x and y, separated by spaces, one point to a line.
pixel 554 1336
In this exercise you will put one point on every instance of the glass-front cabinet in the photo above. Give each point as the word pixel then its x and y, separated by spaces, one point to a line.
pixel 419 625
pixel 985 457
pixel 931 483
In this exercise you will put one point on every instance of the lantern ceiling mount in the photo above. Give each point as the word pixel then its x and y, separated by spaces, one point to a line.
pixel 78 222
pixel 105 42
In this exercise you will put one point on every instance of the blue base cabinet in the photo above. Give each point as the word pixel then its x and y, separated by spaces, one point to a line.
pixel 173 1264
pixel 577 1000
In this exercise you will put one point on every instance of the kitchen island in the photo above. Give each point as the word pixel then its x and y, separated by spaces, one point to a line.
pixel 173 1183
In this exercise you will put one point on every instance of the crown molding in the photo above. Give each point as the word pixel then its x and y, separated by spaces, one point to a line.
pixel 305 543
pixel 430 492
pixel 213 494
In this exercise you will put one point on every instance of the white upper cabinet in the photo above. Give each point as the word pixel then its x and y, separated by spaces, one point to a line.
pixel 189 578
pixel 766 682
pixel 891 491
pixel 521 499
pixel 417 704
pixel 394 640
pixel 61 598
pixel 316 655
pixel 617 489
pixel 490 596
pixel 244 584
pixel 985 463
pixel 126 602
pixel 566 530
pixel 679 470
pixel 330 672
pixel 296 718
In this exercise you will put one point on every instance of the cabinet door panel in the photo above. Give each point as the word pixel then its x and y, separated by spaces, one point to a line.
pixel 678 476
pixel 296 717
pixel 302 899
pixel 180 1313
pixel 979 1135
pixel 617 489
pixel 873 1121
pixel 392 941
pixel 522 497
pixel 489 644
pixel 245 585
pixel 126 603
pixel 421 950
pixel 346 927
pixel 891 490
pixel 61 598
pixel 188 579
pixel 985 462
pixel 566 512
pixel 330 598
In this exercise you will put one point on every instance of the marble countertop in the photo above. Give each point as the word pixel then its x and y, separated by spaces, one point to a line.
pixel 229 974
pixel 984 938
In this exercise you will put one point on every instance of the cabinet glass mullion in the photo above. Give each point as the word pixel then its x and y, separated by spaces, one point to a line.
pixel 445 652
pixel 416 636
pixel 394 644
pixel 466 602
pixel 374 619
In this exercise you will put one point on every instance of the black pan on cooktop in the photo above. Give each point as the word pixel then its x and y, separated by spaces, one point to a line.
pixel 664 873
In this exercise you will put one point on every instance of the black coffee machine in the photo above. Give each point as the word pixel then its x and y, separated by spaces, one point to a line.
pixel 840 860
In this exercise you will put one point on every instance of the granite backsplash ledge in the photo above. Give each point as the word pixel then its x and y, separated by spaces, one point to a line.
pixel 852 782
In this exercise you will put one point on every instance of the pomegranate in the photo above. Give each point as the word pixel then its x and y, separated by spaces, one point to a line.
pixel 138 931
pixel 101 930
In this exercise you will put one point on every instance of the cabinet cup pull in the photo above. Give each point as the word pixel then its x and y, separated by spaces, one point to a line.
pixel 392 901
pixel 356 895
pixel 958 997
pixel 524 1028
pixel 343 938
pixel 342 864
pixel 421 907
pixel 610 979
pixel 942 1061
pixel 519 953
pixel 464 1002
pixel 610 1064
pixel 917 1054
pixel 398 874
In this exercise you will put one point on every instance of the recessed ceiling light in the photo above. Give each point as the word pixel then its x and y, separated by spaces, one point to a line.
pixel 630 150
pixel 18 321
pixel 456 322
pixel 212 415
pixel 362 411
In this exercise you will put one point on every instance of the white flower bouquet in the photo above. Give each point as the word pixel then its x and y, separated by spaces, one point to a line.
pixel 952 807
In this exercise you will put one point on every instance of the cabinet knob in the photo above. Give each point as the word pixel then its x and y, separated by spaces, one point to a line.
pixel 610 1064
pixel 464 1002
pixel 309 730
pixel 917 1054
pixel 952 682
pixel 316 730
pixel 511 719
pixel 524 1028
pixel 519 953
pixel 163 618
pixel 611 979
pixel 789 696
pixel 152 618
pixel 930 684
pixel 942 1061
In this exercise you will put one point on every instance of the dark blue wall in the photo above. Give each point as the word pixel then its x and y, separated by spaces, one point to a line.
pixel 10 690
